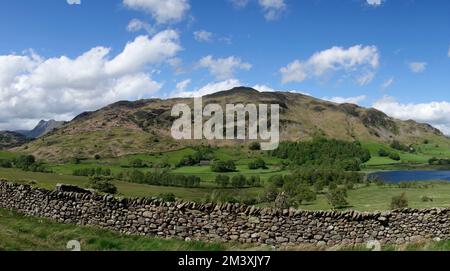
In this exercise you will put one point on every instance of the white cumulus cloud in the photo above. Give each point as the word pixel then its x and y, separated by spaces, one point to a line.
pixel 203 36
pixel 163 11
pixel 375 3
pixel 341 100
pixel 206 89
pixel 359 60
pixel 223 68
pixel 434 113
pixel 74 2
pixel 388 83
pixel 136 25
pixel 272 9
pixel 417 67
pixel 33 87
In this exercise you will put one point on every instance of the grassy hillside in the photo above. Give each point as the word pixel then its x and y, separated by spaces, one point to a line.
pixel 144 126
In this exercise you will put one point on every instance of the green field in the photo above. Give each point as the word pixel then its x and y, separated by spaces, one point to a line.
pixel 363 198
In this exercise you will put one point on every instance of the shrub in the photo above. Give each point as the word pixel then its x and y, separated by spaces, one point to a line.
pixel 137 163
pixel 337 198
pixel 270 192
pixel 238 181
pixel 222 180
pixel 426 199
pixel 258 163
pixel 168 197
pixel 383 153
pixel 304 194
pixel 223 166
pixel 254 146
pixel 5 163
pixel 277 180
pixel 394 156
pixel 399 202
pixel 103 184
pixel 97 157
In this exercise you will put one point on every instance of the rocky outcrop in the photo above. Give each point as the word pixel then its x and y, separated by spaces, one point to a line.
pixel 226 222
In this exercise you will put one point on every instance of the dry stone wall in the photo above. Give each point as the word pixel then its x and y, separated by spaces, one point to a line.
pixel 226 222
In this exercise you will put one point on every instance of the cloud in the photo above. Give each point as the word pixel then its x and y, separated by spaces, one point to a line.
pixel 162 11
pixel 209 88
pixel 33 88
pixel 182 86
pixel 272 9
pixel 137 25
pixel 264 88
pixel 417 67
pixel 375 3
pixel 350 61
pixel 341 100
pixel 388 83
pixel 434 113
pixel 74 2
pixel 203 36
pixel 223 68
pixel 239 3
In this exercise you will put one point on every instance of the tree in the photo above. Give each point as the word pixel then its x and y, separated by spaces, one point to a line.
pixel 254 146
pixel 383 153
pixel 399 202
pixel 103 184
pixel 258 163
pixel 223 166
pixel 238 181
pixel 394 156
pixel 337 198
pixel 270 192
pixel 304 194
pixel 137 163
pixel 222 180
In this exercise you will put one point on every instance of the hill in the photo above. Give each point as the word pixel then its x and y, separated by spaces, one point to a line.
pixel 144 126
pixel 11 139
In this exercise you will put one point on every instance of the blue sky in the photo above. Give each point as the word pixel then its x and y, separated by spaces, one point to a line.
pixel 59 59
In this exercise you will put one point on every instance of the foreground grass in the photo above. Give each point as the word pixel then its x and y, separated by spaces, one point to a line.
pixel 20 233
pixel 28 233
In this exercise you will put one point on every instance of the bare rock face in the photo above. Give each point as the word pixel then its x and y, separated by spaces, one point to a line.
pixel 225 222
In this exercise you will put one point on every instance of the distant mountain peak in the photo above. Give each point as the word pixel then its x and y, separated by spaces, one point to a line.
pixel 42 128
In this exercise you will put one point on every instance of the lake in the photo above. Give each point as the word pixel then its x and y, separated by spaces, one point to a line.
pixel 412 175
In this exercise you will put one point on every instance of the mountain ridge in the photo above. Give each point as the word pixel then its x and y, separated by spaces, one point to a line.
pixel 143 126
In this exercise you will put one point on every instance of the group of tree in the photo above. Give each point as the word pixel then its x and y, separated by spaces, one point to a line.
pixel 87 172
pixel 319 177
pixel 320 151
pixel 223 166
pixel 238 181
pixel 401 147
pixel 201 153
pixel 26 163
pixel 393 155
pixel 258 163
pixel 439 162
pixel 159 178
